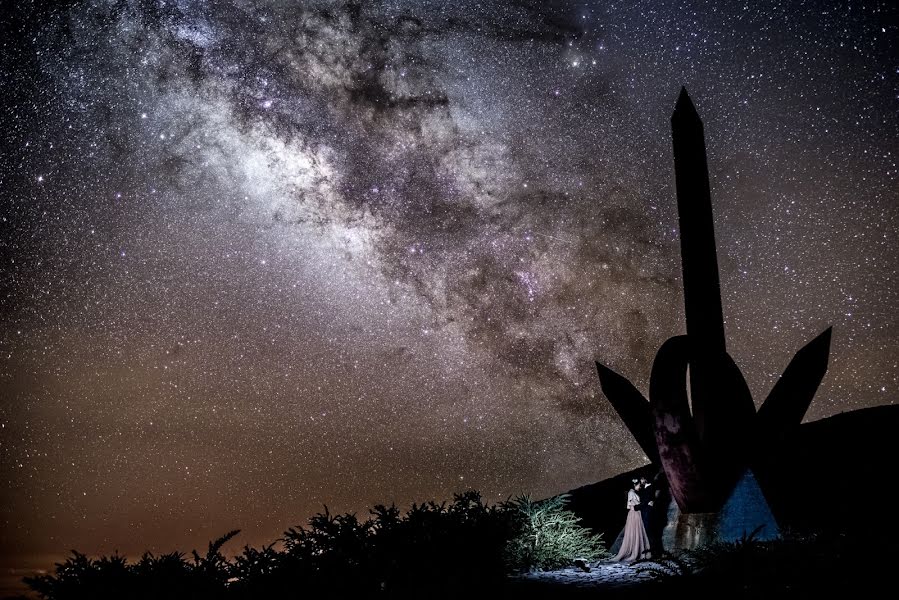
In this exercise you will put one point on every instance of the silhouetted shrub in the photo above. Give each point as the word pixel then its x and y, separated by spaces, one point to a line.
pixel 454 544
pixel 169 575
pixel 465 548
pixel 439 550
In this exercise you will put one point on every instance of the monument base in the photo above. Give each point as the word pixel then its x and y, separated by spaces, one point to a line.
pixel 745 515
pixel 689 531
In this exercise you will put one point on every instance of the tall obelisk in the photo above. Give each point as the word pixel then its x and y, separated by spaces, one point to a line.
pixel 699 260
pixel 702 290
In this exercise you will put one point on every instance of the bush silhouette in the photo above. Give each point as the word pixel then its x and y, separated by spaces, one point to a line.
pixel 441 550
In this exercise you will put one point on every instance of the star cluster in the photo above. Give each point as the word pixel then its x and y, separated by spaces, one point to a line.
pixel 265 256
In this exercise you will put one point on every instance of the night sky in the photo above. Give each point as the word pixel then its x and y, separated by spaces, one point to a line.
pixel 259 257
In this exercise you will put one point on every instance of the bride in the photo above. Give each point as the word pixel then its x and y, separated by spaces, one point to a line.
pixel 635 543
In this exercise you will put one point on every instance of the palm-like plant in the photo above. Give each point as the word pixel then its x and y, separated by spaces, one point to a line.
pixel 549 536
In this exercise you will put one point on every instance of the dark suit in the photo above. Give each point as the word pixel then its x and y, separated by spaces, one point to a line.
pixel 655 517
pixel 647 495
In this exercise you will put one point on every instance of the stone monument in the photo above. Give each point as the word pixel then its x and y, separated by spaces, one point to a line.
pixel 705 433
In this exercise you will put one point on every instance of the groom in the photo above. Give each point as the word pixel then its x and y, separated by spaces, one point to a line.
pixel 653 510
pixel 647 501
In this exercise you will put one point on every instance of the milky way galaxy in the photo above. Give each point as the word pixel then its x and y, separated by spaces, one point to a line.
pixel 259 257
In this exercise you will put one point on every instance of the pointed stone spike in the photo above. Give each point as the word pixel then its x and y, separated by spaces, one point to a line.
pixel 684 106
pixel 785 406
pixel 632 407
pixel 699 258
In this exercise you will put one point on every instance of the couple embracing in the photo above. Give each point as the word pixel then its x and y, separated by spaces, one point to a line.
pixel 646 508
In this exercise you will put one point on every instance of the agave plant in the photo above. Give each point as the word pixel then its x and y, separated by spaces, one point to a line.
pixel 704 439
